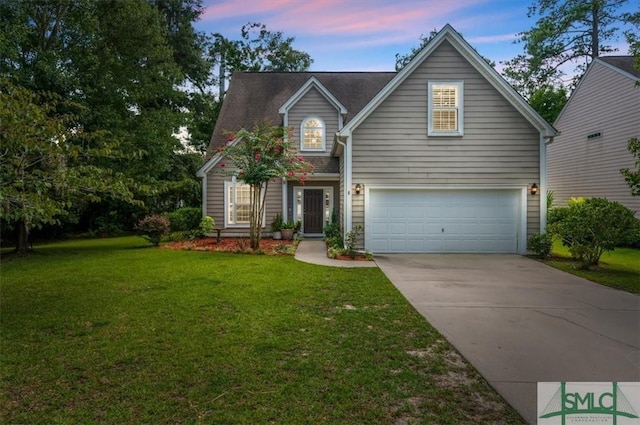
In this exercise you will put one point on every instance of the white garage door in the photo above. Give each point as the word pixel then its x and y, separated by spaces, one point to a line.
pixel 442 221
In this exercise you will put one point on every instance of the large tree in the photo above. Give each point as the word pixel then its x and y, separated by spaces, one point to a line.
pixel 259 49
pixel 48 163
pixel 564 40
pixel 126 62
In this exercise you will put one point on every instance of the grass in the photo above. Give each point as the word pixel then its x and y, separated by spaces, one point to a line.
pixel 618 269
pixel 113 331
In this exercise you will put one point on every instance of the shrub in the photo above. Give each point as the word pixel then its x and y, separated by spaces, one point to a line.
pixel 276 223
pixel 153 228
pixel 332 233
pixel 541 244
pixel 351 240
pixel 589 227
pixel 185 219
pixel 207 225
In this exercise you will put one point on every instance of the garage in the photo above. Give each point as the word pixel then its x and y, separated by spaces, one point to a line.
pixel 443 220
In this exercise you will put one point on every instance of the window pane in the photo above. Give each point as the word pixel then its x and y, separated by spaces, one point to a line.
pixel 313 134
pixel 243 194
pixel 243 213
pixel 444 96
pixel 239 207
pixel 445 120
pixel 312 123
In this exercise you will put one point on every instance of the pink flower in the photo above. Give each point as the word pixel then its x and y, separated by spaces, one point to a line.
pixel 240 171
pixel 232 137
pixel 257 157
pixel 291 173
pixel 301 159
pixel 278 149
pixel 223 165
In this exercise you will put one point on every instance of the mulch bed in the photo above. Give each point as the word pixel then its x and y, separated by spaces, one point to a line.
pixel 236 245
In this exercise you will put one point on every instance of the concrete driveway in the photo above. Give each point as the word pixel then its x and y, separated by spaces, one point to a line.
pixel 519 321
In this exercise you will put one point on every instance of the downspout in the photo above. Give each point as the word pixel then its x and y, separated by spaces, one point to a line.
pixel 347 183
pixel 544 141
pixel 284 199
pixel 204 195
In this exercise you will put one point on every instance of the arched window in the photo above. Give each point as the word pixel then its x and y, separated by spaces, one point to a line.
pixel 312 134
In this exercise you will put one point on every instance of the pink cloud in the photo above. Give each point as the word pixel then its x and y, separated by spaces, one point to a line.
pixel 235 8
pixel 341 17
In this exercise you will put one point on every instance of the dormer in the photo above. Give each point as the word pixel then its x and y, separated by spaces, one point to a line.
pixel 314 114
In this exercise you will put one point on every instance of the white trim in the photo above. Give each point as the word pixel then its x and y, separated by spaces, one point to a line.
pixel 543 185
pixel 348 178
pixel 459 85
pixel 312 82
pixel 204 195
pixel 235 182
pixel 324 135
pixel 285 186
pixel 208 166
pixel 324 189
pixel 465 49
pixel 615 68
pixel 522 189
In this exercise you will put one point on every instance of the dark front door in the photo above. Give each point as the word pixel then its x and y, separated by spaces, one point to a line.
pixel 313 209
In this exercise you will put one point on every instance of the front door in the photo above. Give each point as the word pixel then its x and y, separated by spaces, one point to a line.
pixel 313 211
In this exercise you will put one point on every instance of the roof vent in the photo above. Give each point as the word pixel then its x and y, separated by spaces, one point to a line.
pixel 594 135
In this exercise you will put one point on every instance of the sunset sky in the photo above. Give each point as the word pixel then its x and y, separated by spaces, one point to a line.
pixel 365 35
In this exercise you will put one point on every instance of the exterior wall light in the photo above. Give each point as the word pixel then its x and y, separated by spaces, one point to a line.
pixel 534 189
pixel 358 188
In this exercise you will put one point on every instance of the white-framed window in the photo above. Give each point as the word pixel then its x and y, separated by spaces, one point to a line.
pixel 237 203
pixel 445 108
pixel 312 134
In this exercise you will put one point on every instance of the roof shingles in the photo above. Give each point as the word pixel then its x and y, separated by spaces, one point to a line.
pixel 256 96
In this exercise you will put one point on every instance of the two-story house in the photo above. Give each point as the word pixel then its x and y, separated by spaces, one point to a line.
pixel 443 156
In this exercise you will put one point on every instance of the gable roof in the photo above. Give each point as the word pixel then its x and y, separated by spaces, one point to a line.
pixel 312 83
pixel 623 65
pixel 460 44
pixel 255 96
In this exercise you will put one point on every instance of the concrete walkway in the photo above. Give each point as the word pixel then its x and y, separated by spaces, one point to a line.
pixel 520 322
pixel 314 251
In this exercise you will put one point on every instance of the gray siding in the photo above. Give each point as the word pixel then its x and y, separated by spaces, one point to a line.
pixel 215 202
pixel 314 103
pixel 499 145
pixel 310 185
pixel 605 102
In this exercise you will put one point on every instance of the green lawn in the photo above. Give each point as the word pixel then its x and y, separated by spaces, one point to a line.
pixel 618 269
pixel 113 331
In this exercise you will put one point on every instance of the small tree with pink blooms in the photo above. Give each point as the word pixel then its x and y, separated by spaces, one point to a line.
pixel 259 156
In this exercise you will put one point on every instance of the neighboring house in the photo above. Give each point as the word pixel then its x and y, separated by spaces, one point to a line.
pixel 439 157
pixel 601 115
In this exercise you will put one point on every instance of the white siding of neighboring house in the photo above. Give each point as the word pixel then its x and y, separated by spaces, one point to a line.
pixel 313 103
pixel 607 102
pixel 499 145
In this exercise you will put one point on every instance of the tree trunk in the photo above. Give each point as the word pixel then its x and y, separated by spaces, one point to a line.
pixel 595 32
pixel 22 240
